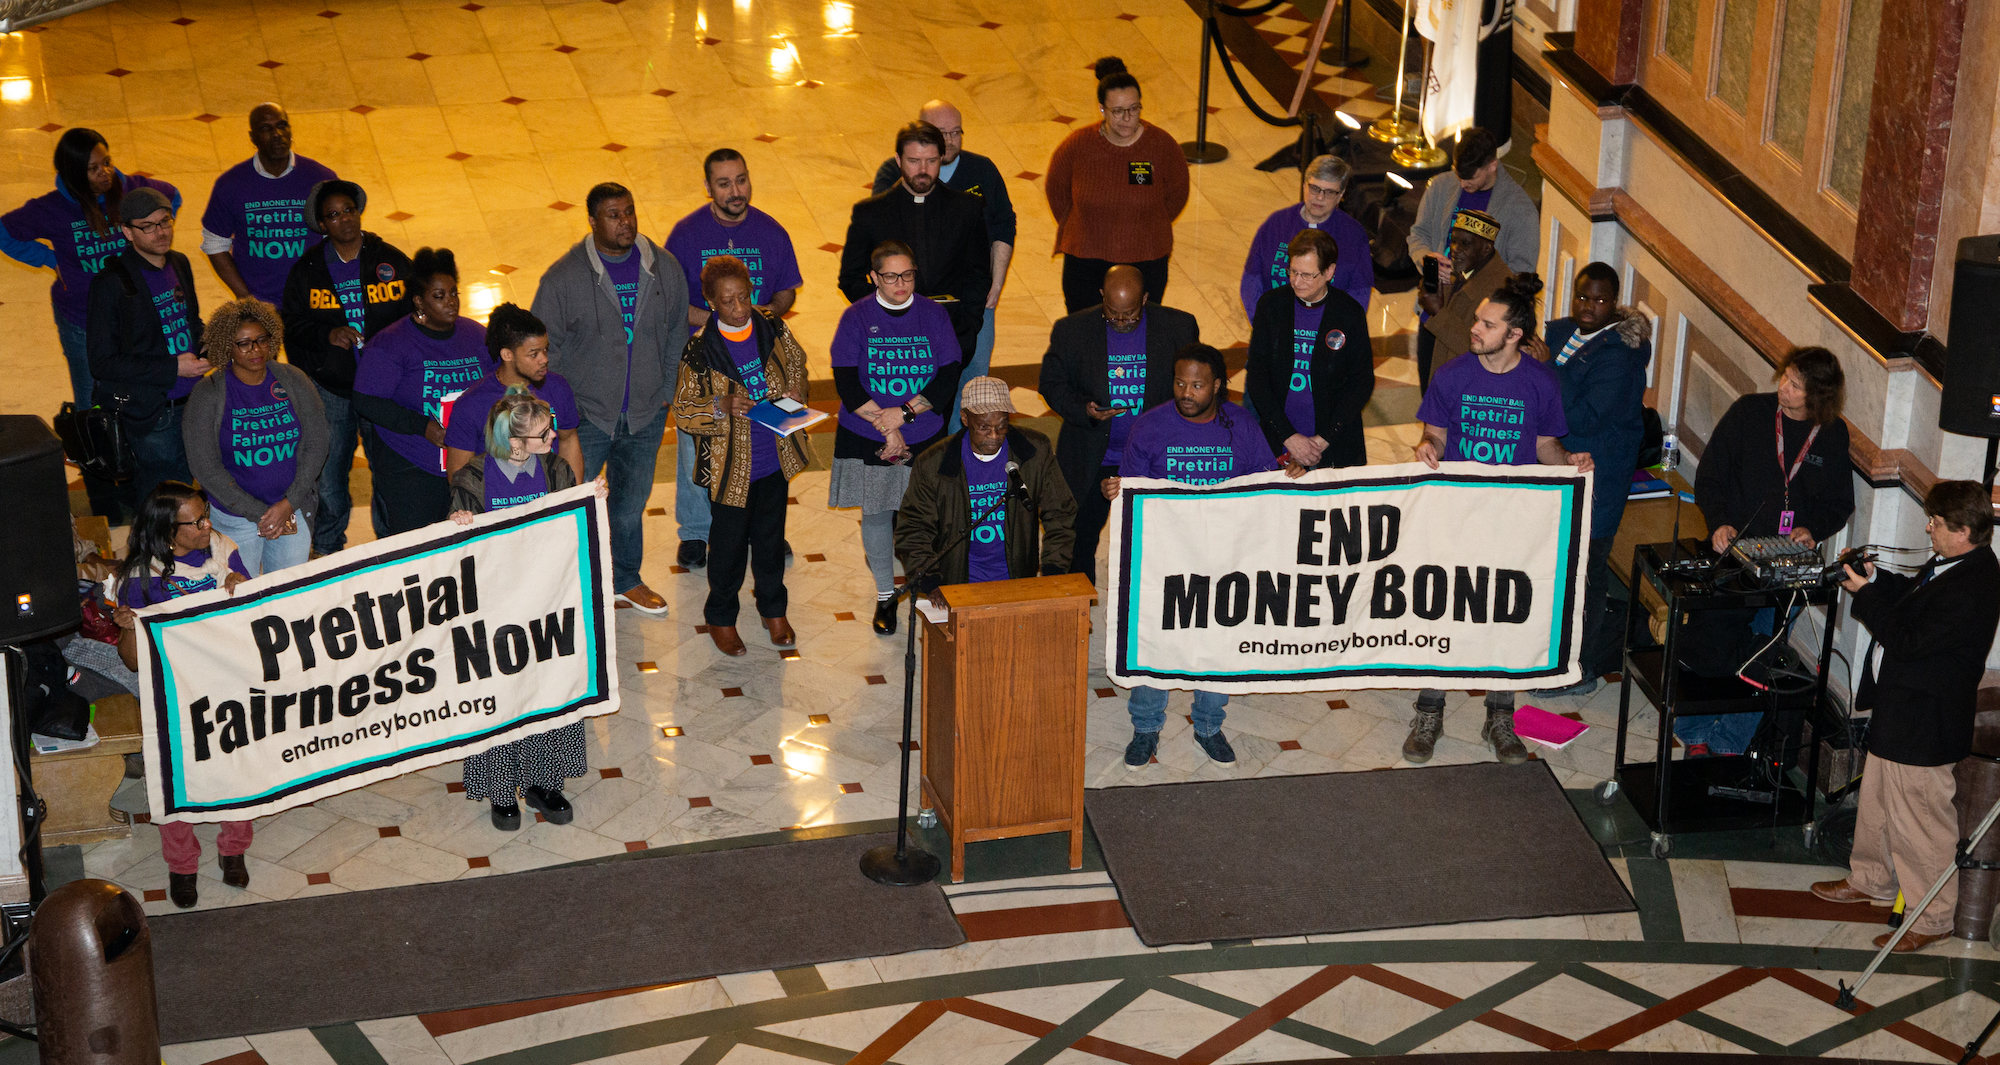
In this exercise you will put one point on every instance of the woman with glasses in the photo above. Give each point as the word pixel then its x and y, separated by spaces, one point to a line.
pixel 256 439
pixel 895 365
pixel 518 466
pixel 400 388
pixel 1311 368
pixel 1323 187
pixel 79 220
pixel 173 551
pixel 1115 189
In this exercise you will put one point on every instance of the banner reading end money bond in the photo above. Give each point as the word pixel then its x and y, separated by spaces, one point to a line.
pixel 1370 577
pixel 401 654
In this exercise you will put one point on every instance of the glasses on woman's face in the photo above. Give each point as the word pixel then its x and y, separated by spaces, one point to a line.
pixel 337 214
pixel 199 523
pixel 1298 274
pixel 247 345
pixel 897 279
pixel 548 433
pixel 1125 112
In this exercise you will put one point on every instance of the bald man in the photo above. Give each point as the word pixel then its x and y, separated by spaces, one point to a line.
pixel 974 173
pixel 255 225
pixel 1105 365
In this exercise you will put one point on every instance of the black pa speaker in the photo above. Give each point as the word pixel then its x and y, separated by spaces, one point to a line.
pixel 1971 401
pixel 38 595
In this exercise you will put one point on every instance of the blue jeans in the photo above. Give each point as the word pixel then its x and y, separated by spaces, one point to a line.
pixel 343 427
pixel 1727 733
pixel 1148 707
pixel 76 353
pixel 159 451
pixel 261 556
pixel 690 500
pixel 631 457
pixel 981 361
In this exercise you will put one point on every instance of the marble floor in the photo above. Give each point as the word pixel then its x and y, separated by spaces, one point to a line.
pixel 479 126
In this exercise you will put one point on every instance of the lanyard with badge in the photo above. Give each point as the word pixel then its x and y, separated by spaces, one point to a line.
pixel 1785 515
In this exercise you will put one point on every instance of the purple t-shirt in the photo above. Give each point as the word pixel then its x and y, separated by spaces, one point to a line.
pixel 405 364
pixel 171 304
pixel 260 438
pixel 149 590
pixel 758 240
pixel 502 492
pixel 625 281
pixel 1164 444
pixel 986 482
pixel 347 288
pixel 80 252
pixel 1299 392
pixel 1125 366
pixel 750 369
pixel 1269 263
pixel 467 431
pixel 898 355
pixel 265 220
pixel 1494 418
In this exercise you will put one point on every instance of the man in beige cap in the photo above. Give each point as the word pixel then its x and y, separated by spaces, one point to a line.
pixel 962 477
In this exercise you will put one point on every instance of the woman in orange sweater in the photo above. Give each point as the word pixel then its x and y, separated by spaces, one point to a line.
pixel 1115 189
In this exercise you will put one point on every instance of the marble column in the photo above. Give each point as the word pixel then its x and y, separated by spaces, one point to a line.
pixel 1909 130
pixel 1608 33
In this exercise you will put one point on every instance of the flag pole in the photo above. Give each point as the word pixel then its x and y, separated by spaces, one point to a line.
pixel 1393 128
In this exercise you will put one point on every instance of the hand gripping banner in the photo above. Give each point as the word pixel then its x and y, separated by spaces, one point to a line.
pixel 1469 575
pixel 395 656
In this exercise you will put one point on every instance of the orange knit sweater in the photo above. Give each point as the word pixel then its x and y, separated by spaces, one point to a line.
pixel 1103 210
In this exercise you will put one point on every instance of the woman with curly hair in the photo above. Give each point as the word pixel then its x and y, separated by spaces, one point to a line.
pixel 256 439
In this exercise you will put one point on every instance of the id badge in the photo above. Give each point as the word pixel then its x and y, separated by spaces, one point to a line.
pixel 1785 523
pixel 1138 172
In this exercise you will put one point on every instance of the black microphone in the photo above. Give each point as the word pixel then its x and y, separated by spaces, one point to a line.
pixel 1016 488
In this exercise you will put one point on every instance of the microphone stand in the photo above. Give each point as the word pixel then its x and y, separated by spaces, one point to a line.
pixel 903 865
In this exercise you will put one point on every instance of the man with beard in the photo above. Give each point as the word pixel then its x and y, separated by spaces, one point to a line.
pixel 946 229
pixel 725 225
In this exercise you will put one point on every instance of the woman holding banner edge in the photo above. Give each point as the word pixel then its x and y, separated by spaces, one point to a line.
pixel 516 468
pixel 173 551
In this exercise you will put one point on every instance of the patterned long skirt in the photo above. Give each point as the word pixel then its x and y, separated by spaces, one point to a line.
pixel 543 760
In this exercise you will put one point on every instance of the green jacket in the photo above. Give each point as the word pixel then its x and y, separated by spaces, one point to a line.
pixel 937 508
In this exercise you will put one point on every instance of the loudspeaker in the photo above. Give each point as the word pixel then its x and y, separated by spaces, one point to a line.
pixel 38 595
pixel 1971 401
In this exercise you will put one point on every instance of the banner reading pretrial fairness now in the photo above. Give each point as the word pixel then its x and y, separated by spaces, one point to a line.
pixel 401 654
pixel 1370 577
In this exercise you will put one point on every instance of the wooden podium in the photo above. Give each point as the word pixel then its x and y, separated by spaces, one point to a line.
pixel 1005 685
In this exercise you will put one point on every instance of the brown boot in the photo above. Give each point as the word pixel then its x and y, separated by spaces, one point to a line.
pixel 234 872
pixel 727 641
pixel 781 632
pixel 1911 942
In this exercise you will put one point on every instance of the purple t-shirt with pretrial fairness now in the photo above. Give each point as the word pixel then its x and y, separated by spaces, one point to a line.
pixel 265 220
pixel 260 439
pixel 624 275
pixel 750 368
pixel 407 364
pixel 986 482
pixel 149 590
pixel 1125 366
pixel 1494 418
pixel 467 431
pixel 347 288
pixel 898 355
pixel 1299 391
pixel 1164 444
pixel 762 244
pixel 80 252
pixel 170 303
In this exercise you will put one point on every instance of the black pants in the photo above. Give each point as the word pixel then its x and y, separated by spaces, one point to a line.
pixel 1603 647
pixel 751 536
pixel 1426 342
pixel 405 496
pixel 1083 281
pixel 1092 510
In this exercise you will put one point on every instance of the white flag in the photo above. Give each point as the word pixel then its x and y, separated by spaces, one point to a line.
pixel 1452 81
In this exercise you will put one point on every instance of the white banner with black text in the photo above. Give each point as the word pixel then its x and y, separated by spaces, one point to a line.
pixel 383 659
pixel 1469 575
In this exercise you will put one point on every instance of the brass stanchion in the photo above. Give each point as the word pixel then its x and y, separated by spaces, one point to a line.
pixel 1393 128
pixel 1419 153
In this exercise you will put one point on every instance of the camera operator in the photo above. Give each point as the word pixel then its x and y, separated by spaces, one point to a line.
pixel 1930 634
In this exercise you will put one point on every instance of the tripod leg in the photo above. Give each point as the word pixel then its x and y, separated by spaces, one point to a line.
pixel 1972 1048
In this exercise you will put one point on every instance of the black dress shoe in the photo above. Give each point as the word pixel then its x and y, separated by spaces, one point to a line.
pixel 551 804
pixel 693 554
pixel 885 617
pixel 181 889
pixel 507 818
pixel 234 872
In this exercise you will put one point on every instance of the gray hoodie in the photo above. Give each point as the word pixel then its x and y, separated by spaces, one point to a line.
pixel 587 333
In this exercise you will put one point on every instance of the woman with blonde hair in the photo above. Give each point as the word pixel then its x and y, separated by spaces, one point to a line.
pixel 256 438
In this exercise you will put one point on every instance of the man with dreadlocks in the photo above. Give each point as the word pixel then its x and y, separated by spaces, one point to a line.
pixel 1201 438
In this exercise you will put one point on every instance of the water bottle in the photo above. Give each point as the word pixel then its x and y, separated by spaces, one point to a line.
pixel 1670 451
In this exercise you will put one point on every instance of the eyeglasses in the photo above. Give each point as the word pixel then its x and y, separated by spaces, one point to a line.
pixel 1127 318
pixel 1323 190
pixel 201 522
pixel 335 216
pixel 267 342
pixel 897 279
pixel 548 433
pixel 148 228
pixel 1297 274
pixel 1125 112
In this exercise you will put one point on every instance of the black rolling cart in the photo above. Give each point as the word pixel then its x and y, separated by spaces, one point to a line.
pixel 1720 792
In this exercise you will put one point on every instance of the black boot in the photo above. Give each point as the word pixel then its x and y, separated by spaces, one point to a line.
pixel 181 889
pixel 507 817
pixel 550 803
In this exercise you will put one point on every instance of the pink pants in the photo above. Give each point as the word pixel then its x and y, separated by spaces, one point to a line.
pixel 182 850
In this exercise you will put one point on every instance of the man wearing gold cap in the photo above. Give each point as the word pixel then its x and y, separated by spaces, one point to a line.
pixel 1476 273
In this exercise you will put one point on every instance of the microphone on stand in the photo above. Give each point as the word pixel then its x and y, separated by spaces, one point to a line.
pixel 1016 488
